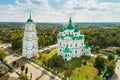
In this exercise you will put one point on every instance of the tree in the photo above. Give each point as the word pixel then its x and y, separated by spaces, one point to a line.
pixel 99 63
pixel 84 62
pixel 22 68
pixel 110 57
pixel 23 77
pixel 111 67
pixel 2 55
pixel 56 61
pixel 30 76
pixel 16 41
pixel 14 63
pixel 26 70
pixel 118 51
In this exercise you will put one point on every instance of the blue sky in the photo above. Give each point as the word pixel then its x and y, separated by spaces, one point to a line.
pixel 60 10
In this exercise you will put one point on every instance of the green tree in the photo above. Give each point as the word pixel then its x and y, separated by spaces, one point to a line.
pixel 2 55
pixel 111 67
pixel 26 70
pixel 110 57
pixel 22 68
pixel 23 77
pixel 99 63
pixel 16 41
pixel 56 61
pixel 118 51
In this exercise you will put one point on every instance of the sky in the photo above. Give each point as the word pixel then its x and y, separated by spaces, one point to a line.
pixel 60 10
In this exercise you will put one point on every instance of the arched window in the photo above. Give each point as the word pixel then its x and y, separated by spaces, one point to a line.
pixel 60 50
pixel 60 44
pixel 76 45
pixel 75 34
pixel 67 45
pixel 76 51
pixel 65 55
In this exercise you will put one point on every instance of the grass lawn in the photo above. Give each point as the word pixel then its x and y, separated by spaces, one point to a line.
pixel 84 73
pixel 43 57
pixel 73 68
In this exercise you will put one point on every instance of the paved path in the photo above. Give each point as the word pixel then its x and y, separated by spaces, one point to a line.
pixel 116 76
pixel 32 67
pixel 47 48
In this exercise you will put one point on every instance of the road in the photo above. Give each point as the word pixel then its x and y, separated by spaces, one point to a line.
pixel 116 75
pixel 47 48
pixel 32 67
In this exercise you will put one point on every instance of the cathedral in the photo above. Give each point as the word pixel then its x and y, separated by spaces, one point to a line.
pixel 30 39
pixel 71 42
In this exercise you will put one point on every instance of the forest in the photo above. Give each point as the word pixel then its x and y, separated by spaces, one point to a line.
pixel 101 36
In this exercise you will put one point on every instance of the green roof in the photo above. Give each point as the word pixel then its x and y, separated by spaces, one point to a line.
pixel 30 20
pixel 61 30
pixel 79 37
pixel 70 26
pixel 67 50
pixel 72 36
pixel 86 47
pixel 76 30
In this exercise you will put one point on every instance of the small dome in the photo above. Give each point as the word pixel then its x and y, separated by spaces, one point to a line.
pixel 76 30
pixel 61 30
pixel 30 20
pixel 67 50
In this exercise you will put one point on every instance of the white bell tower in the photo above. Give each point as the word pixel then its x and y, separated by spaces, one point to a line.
pixel 30 39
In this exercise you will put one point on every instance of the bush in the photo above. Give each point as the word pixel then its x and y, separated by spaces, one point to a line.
pixel 56 61
pixel 99 63
pixel 2 55
pixel 110 57
pixel 111 67
pixel 23 77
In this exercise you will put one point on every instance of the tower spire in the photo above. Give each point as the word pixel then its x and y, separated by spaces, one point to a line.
pixel 70 21
pixel 30 19
pixel 30 15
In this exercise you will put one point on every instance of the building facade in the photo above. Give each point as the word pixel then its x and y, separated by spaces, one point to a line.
pixel 30 39
pixel 71 43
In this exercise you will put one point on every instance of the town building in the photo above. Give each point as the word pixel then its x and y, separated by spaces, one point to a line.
pixel 30 39
pixel 71 42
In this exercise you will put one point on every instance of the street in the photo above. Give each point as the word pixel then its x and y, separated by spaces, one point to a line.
pixel 116 75
pixel 37 72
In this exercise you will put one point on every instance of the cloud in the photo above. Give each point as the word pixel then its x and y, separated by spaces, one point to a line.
pixel 88 10
pixel 42 11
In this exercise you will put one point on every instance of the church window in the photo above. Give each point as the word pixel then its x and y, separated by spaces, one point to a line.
pixel 76 51
pixel 82 49
pixel 60 44
pixel 60 50
pixel 76 45
pixel 33 45
pixel 75 35
pixel 65 55
pixel 70 45
pixel 67 45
